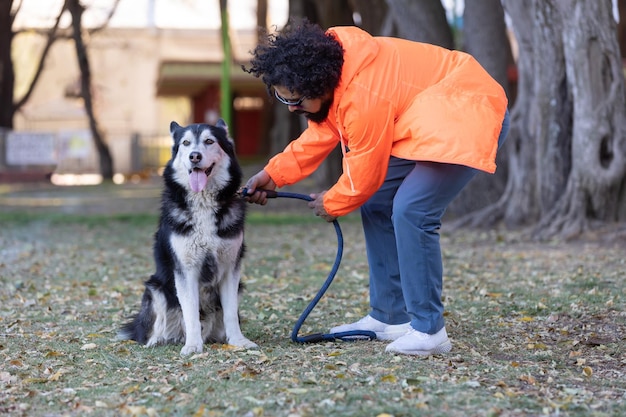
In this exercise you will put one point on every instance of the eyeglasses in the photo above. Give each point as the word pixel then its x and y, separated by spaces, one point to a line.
pixel 297 102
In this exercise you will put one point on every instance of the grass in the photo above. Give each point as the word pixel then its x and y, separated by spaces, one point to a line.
pixel 537 329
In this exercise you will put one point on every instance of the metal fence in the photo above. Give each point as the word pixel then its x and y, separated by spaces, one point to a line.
pixel 25 155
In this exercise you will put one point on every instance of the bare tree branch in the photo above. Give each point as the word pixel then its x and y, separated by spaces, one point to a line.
pixel 52 36
pixel 17 10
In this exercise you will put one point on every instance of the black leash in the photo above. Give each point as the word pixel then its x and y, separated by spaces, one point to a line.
pixel 319 337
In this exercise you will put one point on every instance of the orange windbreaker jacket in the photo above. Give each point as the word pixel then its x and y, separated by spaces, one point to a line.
pixel 396 97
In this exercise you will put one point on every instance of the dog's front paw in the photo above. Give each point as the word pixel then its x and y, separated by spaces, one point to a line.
pixel 244 343
pixel 188 349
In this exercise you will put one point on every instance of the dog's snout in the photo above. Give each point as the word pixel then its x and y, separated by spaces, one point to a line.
pixel 195 157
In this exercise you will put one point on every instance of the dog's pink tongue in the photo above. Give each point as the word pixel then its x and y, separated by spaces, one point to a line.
pixel 197 180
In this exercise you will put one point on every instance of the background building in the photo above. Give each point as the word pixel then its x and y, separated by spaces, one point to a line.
pixel 146 72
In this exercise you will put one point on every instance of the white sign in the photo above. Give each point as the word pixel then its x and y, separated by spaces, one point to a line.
pixel 31 148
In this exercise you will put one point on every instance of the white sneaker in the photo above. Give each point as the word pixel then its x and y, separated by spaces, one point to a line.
pixel 383 331
pixel 418 343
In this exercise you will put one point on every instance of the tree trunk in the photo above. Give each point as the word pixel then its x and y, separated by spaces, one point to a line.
pixel 566 145
pixel 7 75
pixel 371 13
pixel 551 108
pixel 516 206
pixel 598 146
pixel 485 38
pixel 422 21
pixel 105 159
pixel 621 27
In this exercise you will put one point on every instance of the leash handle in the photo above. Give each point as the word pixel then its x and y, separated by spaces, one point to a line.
pixel 269 193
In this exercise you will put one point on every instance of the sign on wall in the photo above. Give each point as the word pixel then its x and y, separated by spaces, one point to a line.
pixel 30 148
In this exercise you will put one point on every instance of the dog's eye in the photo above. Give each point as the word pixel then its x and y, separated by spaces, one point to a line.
pixel 209 141
pixel 186 142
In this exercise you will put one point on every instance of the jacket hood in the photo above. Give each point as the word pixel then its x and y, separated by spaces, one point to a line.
pixel 360 49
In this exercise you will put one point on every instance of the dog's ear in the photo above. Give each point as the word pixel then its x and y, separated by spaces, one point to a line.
pixel 222 124
pixel 174 126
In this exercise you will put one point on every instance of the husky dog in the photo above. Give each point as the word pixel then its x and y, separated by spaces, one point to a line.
pixel 198 247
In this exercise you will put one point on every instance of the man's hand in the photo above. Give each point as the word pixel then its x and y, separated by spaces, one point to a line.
pixel 318 206
pixel 259 180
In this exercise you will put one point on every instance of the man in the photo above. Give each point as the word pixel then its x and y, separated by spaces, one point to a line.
pixel 415 122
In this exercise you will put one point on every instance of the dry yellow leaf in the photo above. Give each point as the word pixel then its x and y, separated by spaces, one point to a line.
pixel 130 390
pixel 199 412
pixel 389 378
pixel 587 371
pixel 55 376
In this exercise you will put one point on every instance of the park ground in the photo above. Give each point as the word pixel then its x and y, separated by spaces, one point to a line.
pixel 538 328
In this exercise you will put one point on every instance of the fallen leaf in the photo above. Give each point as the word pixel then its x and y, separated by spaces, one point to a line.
pixel 494 294
pixel 55 376
pixel 17 363
pixel 130 390
pixel 389 378
pixel 199 412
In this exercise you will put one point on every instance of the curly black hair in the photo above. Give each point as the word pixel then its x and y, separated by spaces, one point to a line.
pixel 302 58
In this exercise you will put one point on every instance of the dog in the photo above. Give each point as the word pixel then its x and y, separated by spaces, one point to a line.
pixel 198 247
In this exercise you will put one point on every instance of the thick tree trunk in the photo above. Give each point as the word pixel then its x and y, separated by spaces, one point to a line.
pixel 566 145
pixel 598 145
pixel 105 159
pixel 551 108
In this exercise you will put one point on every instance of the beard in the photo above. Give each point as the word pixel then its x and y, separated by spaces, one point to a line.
pixel 320 115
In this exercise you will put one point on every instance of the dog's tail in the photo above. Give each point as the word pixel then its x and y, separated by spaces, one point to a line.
pixel 140 326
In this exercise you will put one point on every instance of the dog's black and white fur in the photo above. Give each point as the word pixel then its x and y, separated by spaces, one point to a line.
pixel 194 293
